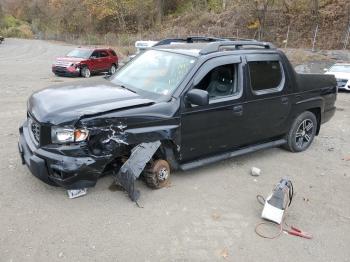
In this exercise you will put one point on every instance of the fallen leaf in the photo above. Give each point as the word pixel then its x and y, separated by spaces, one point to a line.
pixel 215 216
pixel 224 253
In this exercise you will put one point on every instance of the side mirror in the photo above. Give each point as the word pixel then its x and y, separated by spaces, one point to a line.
pixel 198 97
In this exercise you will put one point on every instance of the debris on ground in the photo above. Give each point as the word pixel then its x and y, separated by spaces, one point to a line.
pixel 274 210
pixel 278 201
pixel 255 171
pixel 216 216
pixel 224 253
pixel 74 193
pixel 132 168
pixel 297 232
pixel 306 199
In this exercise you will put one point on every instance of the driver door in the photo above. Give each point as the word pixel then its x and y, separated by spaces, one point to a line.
pixel 97 62
pixel 214 128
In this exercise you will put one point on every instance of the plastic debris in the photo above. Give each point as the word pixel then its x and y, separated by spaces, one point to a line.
pixel 278 201
pixel 255 171
pixel 132 168
pixel 74 193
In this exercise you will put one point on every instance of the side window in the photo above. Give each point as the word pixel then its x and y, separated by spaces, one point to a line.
pixel 103 54
pixel 95 54
pixel 265 76
pixel 220 82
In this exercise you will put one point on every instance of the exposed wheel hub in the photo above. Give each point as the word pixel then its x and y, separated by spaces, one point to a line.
pixel 163 174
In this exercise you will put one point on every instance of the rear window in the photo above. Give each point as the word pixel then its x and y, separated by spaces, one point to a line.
pixel 112 52
pixel 265 75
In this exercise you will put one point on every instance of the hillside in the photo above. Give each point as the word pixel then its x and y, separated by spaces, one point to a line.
pixel 122 22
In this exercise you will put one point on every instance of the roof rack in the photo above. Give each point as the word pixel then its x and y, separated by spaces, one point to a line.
pixel 190 39
pixel 240 39
pixel 215 47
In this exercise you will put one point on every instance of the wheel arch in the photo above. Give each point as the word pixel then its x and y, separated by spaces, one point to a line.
pixel 317 112
pixel 168 151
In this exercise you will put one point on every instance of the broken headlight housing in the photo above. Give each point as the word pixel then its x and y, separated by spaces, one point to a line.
pixel 61 135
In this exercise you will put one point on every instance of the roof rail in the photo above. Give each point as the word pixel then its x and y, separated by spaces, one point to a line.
pixel 215 47
pixel 190 39
pixel 239 39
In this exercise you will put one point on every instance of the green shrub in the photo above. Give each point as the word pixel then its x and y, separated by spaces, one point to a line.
pixel 13 27
pixel 10 21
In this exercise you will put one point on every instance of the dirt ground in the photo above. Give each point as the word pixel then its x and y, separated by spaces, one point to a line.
pixel 207 214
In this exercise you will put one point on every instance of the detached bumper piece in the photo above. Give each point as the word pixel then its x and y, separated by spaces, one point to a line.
pixel 132 168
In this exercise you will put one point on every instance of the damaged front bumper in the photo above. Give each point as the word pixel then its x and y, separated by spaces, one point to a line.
pixel 55 167
pixel 64 71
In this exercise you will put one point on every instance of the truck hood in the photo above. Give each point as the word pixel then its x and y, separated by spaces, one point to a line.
pixel 340 75
pixel 69 102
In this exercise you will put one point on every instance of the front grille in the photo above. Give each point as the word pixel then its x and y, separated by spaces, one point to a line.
pixel 60 69
pixel 34 129
pixel 341 82
pixel 63 63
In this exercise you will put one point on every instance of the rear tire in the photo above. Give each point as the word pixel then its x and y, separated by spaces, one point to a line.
pixel 302 132
pixel 85 72
pixel 159 174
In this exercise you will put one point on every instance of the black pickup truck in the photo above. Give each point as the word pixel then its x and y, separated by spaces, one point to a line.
pixel 202 100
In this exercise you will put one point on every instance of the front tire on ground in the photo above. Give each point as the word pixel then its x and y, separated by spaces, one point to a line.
pixel 112 69
pixel 85 72
pixel 158 175
pixel 302 132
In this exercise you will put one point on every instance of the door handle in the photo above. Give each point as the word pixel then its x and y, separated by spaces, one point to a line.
pixel 284 100
pixel 238 110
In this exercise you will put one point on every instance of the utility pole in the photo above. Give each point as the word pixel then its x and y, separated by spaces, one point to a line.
pixel 346 42
pixel 287 38
pixel 314 41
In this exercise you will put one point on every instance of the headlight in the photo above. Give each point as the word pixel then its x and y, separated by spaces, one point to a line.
pixel 61 135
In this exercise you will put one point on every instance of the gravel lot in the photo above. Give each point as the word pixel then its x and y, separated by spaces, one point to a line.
pixel 208 214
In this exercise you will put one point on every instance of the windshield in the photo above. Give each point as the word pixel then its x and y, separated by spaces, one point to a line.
pixel 340 68
pixel 155 71
pixel 80 53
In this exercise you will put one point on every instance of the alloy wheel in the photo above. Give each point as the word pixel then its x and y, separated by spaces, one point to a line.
pixel 304 134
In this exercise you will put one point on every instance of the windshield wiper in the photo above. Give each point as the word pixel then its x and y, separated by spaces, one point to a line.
pixel 123 86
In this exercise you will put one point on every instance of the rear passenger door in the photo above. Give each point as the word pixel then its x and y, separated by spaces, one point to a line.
pixel 268 102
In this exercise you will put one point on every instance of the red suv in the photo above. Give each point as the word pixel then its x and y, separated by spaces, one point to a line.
pixel 86 61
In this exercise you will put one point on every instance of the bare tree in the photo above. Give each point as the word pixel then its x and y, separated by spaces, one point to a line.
pixel 315 6
pixel 261 8
pixel 224 4
pixel 160 8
